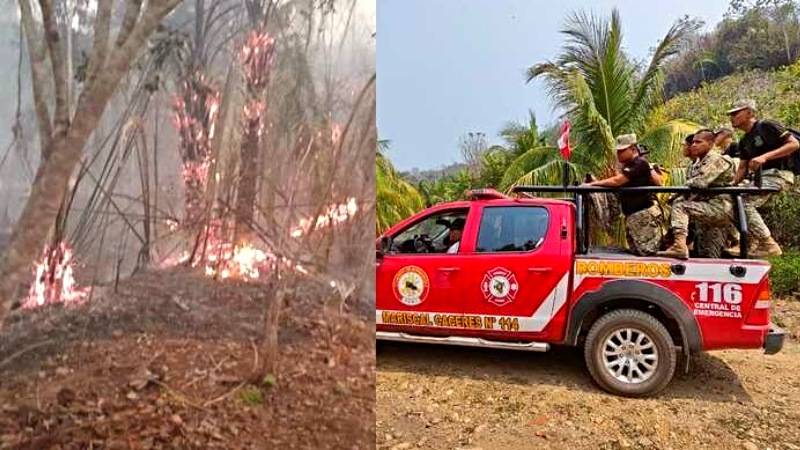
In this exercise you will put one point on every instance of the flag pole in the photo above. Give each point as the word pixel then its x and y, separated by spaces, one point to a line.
pixel 566 152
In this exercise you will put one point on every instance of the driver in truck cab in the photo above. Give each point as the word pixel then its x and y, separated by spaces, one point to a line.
pixel 454 238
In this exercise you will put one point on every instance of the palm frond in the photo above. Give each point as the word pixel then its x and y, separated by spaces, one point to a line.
pixel 665 139
pixel 527 162
pixel 548 174
pixel 593 130
pixel 648 89
pixel 395 198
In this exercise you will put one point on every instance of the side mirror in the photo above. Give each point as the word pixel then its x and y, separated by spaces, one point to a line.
pixel 385 245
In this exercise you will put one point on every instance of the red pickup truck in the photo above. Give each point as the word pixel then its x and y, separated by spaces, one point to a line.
pixel 522 278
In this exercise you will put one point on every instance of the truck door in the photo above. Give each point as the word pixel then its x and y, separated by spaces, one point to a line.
pixel 517 277
pixel 418 281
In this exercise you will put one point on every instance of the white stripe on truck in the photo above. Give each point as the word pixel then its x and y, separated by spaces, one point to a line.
pixel 555 300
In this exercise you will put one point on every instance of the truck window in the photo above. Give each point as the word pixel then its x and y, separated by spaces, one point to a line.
pixel 512 228
pixel 436 233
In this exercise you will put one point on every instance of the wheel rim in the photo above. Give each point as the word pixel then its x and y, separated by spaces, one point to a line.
pixel 630 356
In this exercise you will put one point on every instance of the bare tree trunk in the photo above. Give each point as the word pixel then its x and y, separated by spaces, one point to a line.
pixel 248 171
pixel 65 148
pixel 786 45
pixel 270 351
pixel 37 57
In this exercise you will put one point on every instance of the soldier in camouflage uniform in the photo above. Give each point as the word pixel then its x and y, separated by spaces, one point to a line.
pixel 709 169
pixel 644 230
pixel 643 216
pixel 768 146
pixel 710 241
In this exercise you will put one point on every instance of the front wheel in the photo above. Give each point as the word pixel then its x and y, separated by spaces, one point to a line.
pixel 630 353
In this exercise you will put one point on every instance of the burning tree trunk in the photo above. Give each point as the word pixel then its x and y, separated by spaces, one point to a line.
pixel 196 110
pixel 68 135
pixel 256 57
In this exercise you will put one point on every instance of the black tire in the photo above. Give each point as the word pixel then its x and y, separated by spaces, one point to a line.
pixel 617 321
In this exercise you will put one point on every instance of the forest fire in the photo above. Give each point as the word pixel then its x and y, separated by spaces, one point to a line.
pixel 239 262
pixel 196 108
pixel 256 56
pixel 245 262
pixel 54 280
pixel 335 214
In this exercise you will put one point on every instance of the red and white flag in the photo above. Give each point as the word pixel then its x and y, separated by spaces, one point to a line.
pixel 563 141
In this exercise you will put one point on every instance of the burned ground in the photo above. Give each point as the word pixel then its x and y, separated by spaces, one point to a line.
pixel 161 362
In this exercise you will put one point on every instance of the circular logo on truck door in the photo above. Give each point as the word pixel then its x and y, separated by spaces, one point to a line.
pixel 411 285
pixel 499 286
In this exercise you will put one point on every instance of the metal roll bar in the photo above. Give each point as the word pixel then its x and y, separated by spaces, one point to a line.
pixel 582 224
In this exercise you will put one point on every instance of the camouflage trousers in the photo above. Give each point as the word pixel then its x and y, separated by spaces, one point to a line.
pixel 644 230
pixel 715 212
pixel 711 240
pixel 772 178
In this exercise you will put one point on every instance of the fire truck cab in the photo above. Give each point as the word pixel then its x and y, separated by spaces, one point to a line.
pixel 523 279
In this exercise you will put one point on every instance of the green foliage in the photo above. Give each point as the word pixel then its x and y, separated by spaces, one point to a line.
pixel 493 165
pixel 782 215
pixel 269 380
pixel 536 165
pixel 777 94
pixel 251 396
pixel 785 275
pixel 604 92
pixel 449 188
pixel 520 137
pixel 396 199
pixel 764 34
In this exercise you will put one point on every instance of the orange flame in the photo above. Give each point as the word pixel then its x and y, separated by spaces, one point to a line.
pixel 221 259
pixel 335 214
pixel 54 280
pixel 256 57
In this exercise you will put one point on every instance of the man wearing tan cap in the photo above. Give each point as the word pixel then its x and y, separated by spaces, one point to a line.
pixel 766 145
pixel 643 218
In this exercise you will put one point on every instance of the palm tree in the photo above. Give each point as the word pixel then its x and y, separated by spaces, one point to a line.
pixel 520 137
pixel 396 199
pixel 707 58
pixel 604 94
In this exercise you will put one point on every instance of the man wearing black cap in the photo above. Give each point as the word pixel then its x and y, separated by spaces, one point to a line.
pixel 766 145
pixel 723 140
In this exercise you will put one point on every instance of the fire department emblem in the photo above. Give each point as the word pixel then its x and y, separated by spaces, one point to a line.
pixel 499 286
pixel 411 285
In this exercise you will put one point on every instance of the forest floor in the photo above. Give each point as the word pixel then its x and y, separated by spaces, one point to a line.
pixel 436 397
pixel 161 363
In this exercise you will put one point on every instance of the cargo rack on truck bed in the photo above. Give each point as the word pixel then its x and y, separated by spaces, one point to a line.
pixel 582 224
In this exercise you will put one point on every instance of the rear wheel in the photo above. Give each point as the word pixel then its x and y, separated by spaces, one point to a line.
pixel 630 353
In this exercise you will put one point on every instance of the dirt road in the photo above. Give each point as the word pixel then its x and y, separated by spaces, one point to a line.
pixel 436 397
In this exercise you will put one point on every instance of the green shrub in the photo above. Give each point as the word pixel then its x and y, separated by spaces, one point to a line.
pixel 781 215
pixel 776 92
pixel 785 275
pixel 251 396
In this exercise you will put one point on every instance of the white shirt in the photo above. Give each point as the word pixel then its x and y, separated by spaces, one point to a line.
pixel 453 248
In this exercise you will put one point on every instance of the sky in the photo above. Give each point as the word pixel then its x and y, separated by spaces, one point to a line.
pixel 448 67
